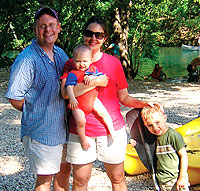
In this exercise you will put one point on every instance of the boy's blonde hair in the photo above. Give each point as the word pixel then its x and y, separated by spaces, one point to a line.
pixel 147 111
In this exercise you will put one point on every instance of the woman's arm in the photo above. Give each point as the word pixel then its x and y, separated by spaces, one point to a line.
pixel 81 88
pixel 129 101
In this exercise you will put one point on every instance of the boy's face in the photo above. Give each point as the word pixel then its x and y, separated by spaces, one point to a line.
pixel 82 59
pixel 156 123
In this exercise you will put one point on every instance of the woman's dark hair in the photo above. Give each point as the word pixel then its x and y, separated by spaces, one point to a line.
pixel 99 20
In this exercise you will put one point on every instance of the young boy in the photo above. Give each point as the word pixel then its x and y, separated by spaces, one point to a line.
pixel 88 102
pixel 172 160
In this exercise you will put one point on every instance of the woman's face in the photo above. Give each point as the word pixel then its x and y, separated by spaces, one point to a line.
pixel 94 43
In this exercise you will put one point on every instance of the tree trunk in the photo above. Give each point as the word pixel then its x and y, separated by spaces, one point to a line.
pixel 121 28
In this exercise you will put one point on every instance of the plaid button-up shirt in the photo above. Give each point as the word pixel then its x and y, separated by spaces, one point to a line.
pixel 36 78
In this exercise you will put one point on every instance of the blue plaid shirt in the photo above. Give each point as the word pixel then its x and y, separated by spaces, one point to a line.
pixel 36 78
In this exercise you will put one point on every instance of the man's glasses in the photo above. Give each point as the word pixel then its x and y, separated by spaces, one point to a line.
pixel 98 35
pixel 51 26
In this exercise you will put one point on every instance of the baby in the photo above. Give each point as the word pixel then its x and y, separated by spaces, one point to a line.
pixel 88 102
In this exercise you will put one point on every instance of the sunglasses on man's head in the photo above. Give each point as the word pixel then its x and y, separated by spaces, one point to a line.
pixel 98 35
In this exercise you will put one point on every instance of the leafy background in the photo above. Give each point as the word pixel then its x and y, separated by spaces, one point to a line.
pixel 143 26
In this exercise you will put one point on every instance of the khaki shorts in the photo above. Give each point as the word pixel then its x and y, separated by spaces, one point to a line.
pixel 43 159
pixel 102 148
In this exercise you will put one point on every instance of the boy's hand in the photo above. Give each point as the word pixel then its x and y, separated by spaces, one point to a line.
pixel 132 142
pixel 73 103
pixel 182 184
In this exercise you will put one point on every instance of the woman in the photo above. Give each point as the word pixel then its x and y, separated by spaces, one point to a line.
pixel 112 92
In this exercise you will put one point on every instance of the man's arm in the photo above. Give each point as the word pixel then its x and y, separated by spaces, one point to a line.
pixel 17 104
pixel 147 76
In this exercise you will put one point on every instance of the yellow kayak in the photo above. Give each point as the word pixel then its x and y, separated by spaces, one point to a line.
pixel 191 135
pixel 132 164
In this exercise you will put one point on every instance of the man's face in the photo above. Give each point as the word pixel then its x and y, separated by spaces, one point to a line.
pixel 46 30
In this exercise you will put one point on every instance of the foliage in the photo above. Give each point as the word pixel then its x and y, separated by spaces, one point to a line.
pixel 143 25
pixel 178 22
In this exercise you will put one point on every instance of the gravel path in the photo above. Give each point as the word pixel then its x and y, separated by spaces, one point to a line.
pixel 180 100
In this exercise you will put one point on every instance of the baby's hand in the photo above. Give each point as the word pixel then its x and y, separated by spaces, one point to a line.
pixel 132 142
pixel 88 79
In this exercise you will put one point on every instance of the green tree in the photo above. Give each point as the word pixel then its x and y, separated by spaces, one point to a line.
pixel 142 25
pixel 135 26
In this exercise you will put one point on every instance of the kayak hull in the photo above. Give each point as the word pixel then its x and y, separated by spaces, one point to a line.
pixel 190 48
pixel 132 164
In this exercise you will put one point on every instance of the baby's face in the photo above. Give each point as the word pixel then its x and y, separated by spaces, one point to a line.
pixel 156 123
pixel 82 60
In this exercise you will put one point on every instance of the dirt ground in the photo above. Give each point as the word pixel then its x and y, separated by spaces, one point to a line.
pixel 180 100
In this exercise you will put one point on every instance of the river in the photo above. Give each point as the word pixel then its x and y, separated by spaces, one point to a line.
pixel 174 61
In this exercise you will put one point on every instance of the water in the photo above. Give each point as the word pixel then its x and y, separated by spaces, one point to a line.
pixel 174 61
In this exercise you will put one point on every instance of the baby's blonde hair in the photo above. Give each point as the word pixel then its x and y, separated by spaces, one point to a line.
pixel 147 111
pixel 82 47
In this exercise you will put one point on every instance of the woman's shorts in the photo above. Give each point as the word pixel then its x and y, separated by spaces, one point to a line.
pixel 102 148
pixel 43 159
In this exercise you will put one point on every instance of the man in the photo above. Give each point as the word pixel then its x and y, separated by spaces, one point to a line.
pixel 34 89
pixel 157 75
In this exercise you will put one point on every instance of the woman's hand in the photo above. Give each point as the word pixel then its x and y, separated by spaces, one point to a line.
pixel 152 104
pixel 102 81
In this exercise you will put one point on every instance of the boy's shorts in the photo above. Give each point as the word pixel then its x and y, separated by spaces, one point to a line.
pixel 102 148
pixel 43 159
pixel 171 186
